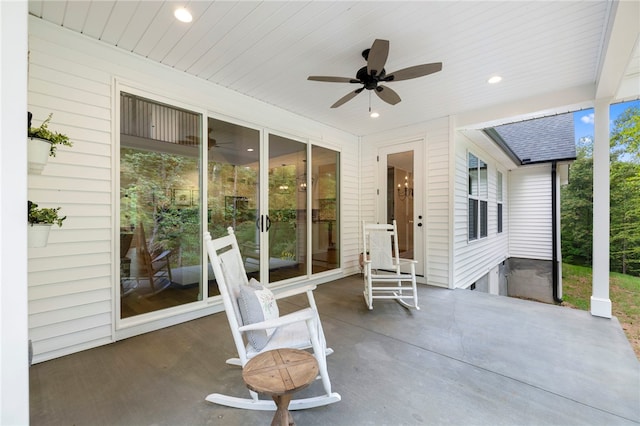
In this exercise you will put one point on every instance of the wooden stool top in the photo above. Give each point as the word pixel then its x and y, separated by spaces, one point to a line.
pixel 280 371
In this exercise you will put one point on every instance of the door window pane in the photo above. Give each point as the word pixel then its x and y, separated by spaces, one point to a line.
pixel 160 232
pixel 400 199
pixel 233 182
pixel 324 183
pixel 287 209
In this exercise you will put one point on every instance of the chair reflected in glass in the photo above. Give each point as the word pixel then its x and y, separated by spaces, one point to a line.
pixel 149 271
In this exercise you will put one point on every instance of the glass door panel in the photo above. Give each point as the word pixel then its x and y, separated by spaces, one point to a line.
pixel 401 188
pixel 400 184
pixel 160 224
pixel 233 190
pixel 287 217
pixel 324 184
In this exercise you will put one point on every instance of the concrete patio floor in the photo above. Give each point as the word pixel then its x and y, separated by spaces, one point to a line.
pixel 466 358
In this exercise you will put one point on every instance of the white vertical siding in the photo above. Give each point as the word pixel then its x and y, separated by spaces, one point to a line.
pixel 530 212
pixel 474 259
pixel 72 281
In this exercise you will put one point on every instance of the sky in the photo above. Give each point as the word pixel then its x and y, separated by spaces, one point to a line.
pixel 583 120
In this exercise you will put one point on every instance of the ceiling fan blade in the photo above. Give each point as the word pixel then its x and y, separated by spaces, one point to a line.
pixel 387 95
pixel 414 72
pixel 332 79
pixel 347 97
pixel 377 56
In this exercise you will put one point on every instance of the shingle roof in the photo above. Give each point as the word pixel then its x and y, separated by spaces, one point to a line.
pixel 540 140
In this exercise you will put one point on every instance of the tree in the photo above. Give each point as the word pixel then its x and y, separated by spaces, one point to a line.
pixel 577 210
pixel 625 137
pixel 577 199
pixel 625 193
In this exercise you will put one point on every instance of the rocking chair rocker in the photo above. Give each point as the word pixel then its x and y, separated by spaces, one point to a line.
pixel 298 330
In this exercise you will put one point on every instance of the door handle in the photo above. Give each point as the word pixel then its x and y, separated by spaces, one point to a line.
pixel 268 223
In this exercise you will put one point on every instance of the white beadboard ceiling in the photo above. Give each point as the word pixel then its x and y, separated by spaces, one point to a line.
pixel 266 50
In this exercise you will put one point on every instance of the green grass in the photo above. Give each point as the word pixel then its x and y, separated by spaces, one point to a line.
pixel 624 292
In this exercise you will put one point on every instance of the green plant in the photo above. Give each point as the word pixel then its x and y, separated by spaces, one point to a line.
pixel 44 215
pixel 54 138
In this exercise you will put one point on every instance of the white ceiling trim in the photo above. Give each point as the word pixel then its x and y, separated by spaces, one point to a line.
pixel 619 49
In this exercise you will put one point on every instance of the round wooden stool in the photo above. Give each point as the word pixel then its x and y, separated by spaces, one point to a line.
pixel 279 373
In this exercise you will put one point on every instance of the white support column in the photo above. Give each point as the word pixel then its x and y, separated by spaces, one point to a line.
pixel 14 358
pixel 600 302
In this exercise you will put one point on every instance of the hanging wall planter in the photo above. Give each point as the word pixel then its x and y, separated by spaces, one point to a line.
pixel 38 235
pixel 42 144
pixel 40 222
pixel 38 153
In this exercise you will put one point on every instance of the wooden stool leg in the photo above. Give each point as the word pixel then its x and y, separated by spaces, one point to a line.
pixel 283 416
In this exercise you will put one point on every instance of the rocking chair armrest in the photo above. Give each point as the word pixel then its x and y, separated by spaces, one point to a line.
pixel 295 291
pixel 301 315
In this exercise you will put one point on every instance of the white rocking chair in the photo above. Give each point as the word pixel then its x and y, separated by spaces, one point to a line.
pixel 298 330
pixel 383 278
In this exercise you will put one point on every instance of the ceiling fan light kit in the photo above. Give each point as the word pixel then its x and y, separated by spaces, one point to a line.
pixel 372 75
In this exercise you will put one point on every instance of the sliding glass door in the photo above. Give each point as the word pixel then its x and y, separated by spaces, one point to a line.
pixel 179 178
pixel 287 210
pixel 233 190
pixel 324 184
pixel 160 222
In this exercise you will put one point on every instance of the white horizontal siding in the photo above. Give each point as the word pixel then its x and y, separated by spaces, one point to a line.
pixel 368 187
pixel 473 259
pixel 349 208
pixel 71 281
pixel 435 164
pixel 437 239
pixel 530 215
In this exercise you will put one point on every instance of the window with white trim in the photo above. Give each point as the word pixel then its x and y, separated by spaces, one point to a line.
pixel 499 200
pixel 478 195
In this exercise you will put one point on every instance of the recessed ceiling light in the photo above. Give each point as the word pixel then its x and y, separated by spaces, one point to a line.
pixel 374 115
pixel 249 149
pixel 183 15
pixel 495 79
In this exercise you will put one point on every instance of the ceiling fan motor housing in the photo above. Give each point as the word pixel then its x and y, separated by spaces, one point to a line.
pixel 370 82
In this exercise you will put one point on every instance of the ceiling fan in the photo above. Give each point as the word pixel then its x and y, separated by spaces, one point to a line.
pixel 374 73
pixel 195 140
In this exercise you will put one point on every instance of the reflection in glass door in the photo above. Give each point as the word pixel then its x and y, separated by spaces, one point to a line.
pixel 233 190
pixel 160 225
pixel 324 184
pixel 401 184
pixel 400 196
pixel 287 217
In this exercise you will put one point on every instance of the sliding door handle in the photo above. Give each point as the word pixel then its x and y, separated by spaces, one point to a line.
pixel 268 222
